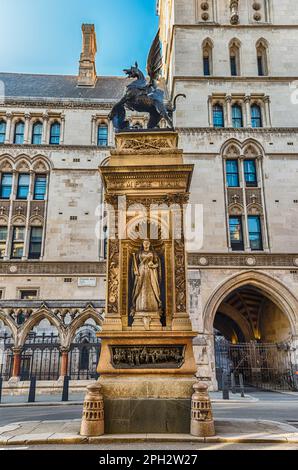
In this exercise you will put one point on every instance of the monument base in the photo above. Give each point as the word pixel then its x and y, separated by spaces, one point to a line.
pixel 147 381
pixel 140 416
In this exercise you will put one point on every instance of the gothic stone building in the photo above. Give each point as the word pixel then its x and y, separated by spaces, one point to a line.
pixel 234 60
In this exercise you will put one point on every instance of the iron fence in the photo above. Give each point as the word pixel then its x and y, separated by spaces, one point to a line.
pixel 6 356
pixel 83 357
pixel 265 366
pixel 40 357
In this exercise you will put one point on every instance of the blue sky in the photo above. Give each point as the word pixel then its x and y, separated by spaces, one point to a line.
pixel 44 36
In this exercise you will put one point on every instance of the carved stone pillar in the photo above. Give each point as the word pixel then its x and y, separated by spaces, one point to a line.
pixel 93 130
pixel 248 110
pixel 228 101
pixel 62 136
pixel 45 120
pixel 267 111
pixel 26 130
pixel 8 127
pixel 234 4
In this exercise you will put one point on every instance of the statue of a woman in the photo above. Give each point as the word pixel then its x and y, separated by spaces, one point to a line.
pixel 147 277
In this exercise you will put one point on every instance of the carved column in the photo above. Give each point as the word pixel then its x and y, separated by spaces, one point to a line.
pixel 210 111
pixel 248 111
pixel 113 314
pixel 45 121
pixel 234 4
pixel 62 136
pixel 228 101
pixel 93 130
pixel 8 127
pixel 26 130
pixel 181 319
pixel 267 111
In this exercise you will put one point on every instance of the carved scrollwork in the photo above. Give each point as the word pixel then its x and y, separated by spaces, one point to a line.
pixel 147 357
pixel 113 280
pixel 145 143
pixel 180 284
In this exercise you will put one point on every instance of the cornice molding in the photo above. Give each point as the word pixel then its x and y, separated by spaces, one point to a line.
pixel 232 130
pixel 195 260
pixel 208 25
pixel 59 268
pixel 24 102
pixel 48 147
pixel 238 78
pixel 243 260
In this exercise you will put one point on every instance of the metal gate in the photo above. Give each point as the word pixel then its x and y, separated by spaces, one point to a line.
pixel 40 357
pixel 266 366
pixel 83 357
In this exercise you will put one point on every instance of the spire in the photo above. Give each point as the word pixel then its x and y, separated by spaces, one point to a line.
pixel 87 69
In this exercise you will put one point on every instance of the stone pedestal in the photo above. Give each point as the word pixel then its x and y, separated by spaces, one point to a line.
pixel 147 367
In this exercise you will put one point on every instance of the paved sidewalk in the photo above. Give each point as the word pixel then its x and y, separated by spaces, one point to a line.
pixel 77 399
pixel 67 432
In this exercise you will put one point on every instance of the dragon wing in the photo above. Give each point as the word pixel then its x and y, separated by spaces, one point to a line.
pixel 154 61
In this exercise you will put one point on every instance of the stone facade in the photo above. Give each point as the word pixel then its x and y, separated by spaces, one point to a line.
pixel 219 53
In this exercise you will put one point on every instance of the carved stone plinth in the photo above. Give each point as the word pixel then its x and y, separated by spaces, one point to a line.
pixel 147 321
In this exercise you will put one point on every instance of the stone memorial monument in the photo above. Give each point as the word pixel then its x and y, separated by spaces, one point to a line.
pixel 146 366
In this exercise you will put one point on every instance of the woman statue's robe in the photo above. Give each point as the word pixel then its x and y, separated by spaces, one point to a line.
pixel 146 292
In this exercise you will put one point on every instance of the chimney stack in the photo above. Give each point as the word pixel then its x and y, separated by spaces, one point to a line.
pixel 87 70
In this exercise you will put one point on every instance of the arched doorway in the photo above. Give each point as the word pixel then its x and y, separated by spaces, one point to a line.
pixel 252 337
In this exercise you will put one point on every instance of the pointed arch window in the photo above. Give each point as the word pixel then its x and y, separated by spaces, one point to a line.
pixel 237 117
pixel 256 116
pixel 36 133
pixel 2 131
pixel 19 133
pixel 207 57
pixel 55 133
pixel 262 59
pixel 234 50
pixel 218 115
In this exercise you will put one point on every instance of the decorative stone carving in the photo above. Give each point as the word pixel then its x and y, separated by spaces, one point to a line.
pixel 93 412
pixel 234 5
pixel 251 261
pixel 202 423
pixel 234 260
pixel 179 254
pixel 61 268
pixel 147 357
pixel 113 281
